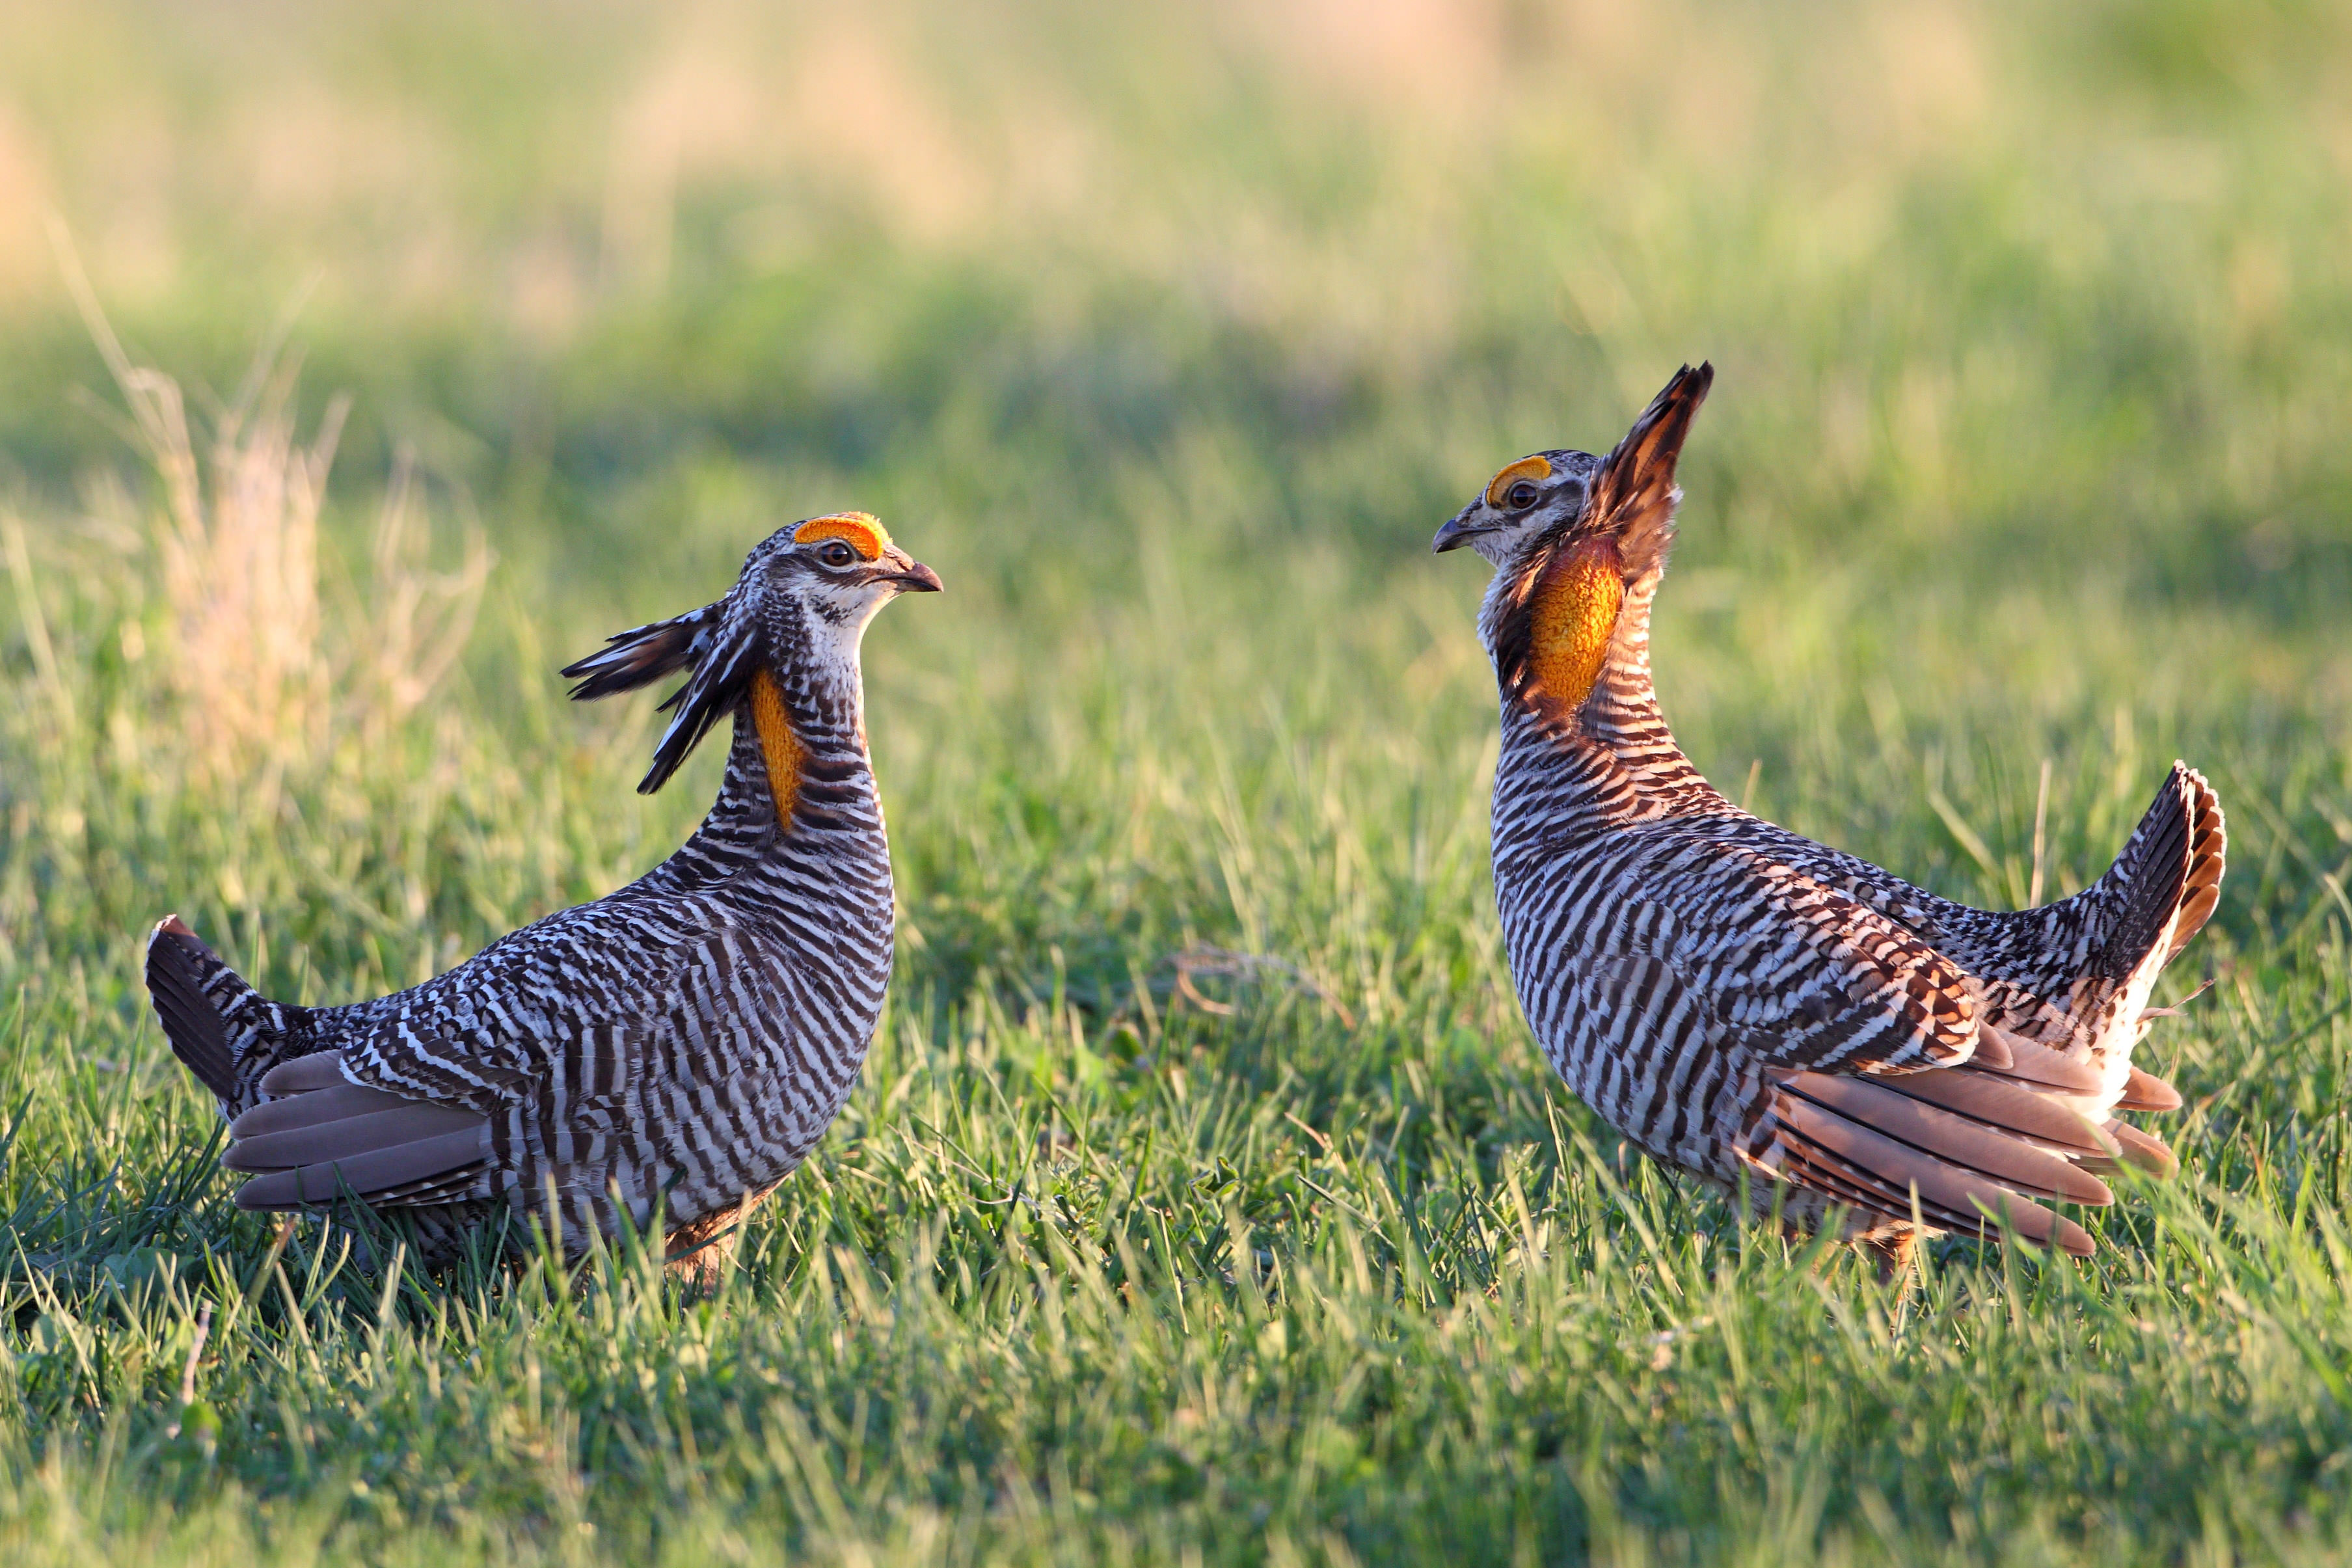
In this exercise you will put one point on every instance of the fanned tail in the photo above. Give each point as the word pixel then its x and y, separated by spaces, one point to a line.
pixel 2208 845
pixel 2168 878
pixel 2183 843
pixel 178 964
pixel 225 1033
pixel 2026 1118
pixel 2135 920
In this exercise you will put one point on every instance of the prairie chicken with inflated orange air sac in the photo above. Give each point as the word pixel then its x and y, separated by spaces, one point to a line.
pixel 682 1042
pixel 1748 1005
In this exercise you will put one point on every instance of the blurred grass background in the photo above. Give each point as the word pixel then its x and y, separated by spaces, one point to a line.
pixel 1167 335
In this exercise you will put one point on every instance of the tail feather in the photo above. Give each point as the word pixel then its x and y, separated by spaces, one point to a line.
pixel 2152 867
pixel 227 1033
pixel 2171 873
pixel 2208 839
pixel 178 966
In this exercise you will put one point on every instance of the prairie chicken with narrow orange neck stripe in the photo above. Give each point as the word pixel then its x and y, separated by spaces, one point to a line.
pixel 1747 1004
pixel 684 1040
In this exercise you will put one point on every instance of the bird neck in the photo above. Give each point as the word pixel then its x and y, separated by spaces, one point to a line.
pixel 1612 752
pixel 798 773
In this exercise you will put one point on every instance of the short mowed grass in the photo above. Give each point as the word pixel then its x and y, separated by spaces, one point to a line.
pixel 1204 1198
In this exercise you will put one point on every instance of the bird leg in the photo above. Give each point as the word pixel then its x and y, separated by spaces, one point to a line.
pixel 699 1252
pixel 1892 1254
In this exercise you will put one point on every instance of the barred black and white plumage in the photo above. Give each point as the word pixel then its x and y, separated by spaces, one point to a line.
pixel 684 1040
pixel 1747 1004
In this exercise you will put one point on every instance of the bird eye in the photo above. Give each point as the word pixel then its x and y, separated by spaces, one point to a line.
pixel 837 554
pixel 1522 496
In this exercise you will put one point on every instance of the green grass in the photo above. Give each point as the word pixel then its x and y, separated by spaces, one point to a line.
pixel 1169 341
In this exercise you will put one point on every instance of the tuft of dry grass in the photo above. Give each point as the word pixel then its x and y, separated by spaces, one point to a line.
pixel 258 682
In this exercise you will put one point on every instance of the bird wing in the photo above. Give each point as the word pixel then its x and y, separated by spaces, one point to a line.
pixel 403 1112
pixel 1851 1047
pixel 1952 1146
pixel 2068 974
pixel 322 1135
pixel 1817 980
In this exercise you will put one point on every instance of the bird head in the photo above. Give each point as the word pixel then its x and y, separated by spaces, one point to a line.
pixel 797 613
pixel 1569 535
pixel 1538 498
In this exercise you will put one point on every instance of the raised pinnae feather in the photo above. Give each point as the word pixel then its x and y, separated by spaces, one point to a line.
pixel 719 685
pixel 712 643
pixel 1633 491
pixel 1631 506
pixel 644 655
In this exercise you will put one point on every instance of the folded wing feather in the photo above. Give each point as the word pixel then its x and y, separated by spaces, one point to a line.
pixel 2145 1092
pixel 326 1136
pixel 2040 1120
pixel 1970 1146
pixel 1822 1120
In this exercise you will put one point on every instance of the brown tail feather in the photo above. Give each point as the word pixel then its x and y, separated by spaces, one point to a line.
pixel 362 1173
pixel 2154 867
pixel 2030 1061
pixel 2145 1092
pixel 2145 1150
pixel 1973 1146
pixel 2039 1118
pixel 2208 840
pixel 403 1122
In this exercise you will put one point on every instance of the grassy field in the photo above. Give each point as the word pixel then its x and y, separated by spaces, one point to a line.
pixel 1167 340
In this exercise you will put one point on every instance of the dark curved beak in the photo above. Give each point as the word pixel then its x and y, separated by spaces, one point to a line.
pixel 908 574
pixel 1458 532
pixel 916 578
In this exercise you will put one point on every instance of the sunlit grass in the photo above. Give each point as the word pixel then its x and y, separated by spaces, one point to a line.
pixel 1169 339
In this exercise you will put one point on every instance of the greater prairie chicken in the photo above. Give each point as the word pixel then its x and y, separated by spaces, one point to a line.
pixel 1747 1004
pixel 684 1041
